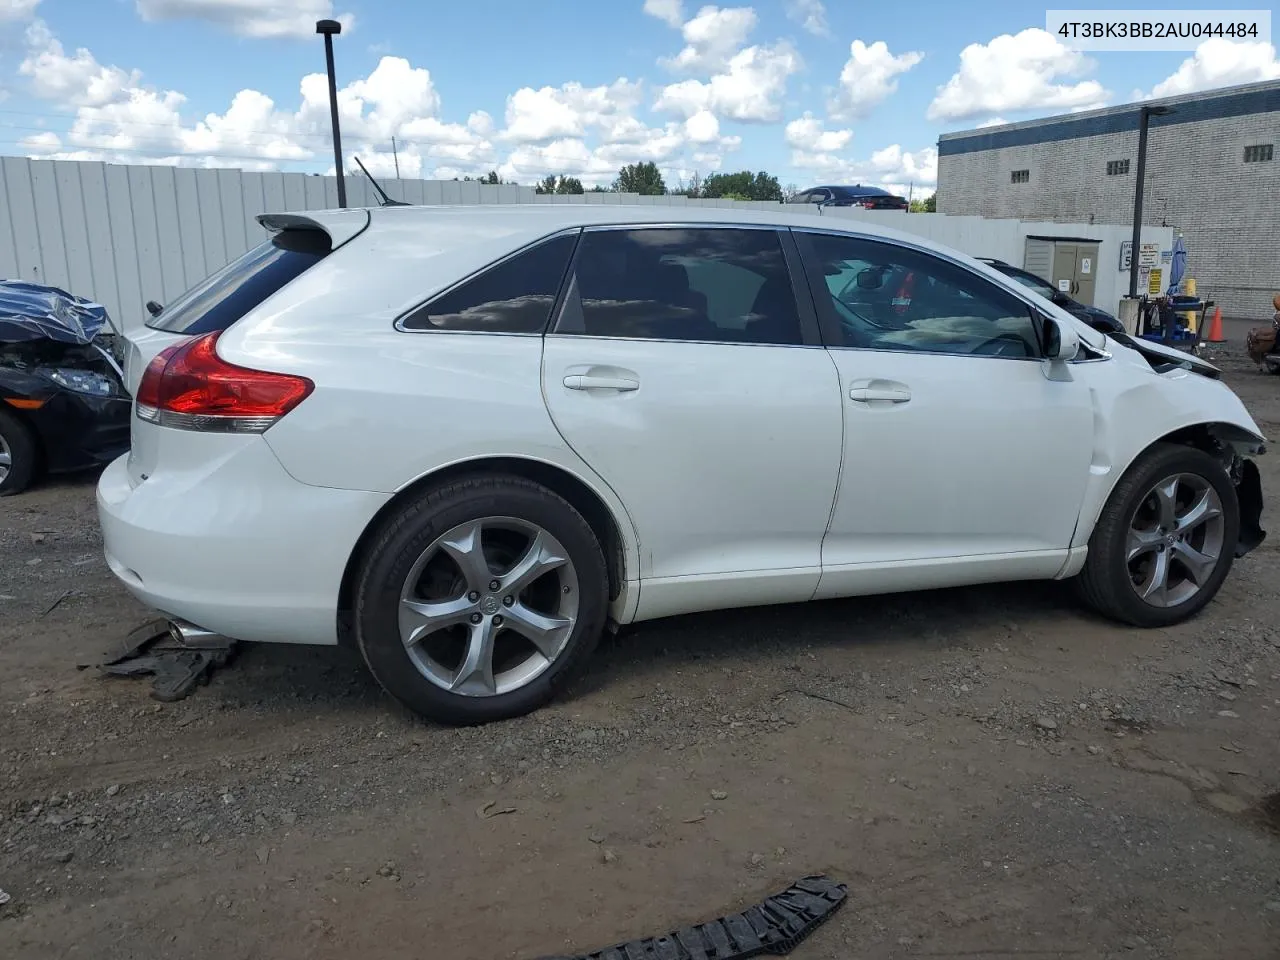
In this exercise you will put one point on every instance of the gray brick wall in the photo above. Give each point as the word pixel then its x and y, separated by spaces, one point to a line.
pixel 1197 182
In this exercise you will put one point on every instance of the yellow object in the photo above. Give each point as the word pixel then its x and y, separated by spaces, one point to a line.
pixel 1189 318
pixel 1153 282
pixel 1189 286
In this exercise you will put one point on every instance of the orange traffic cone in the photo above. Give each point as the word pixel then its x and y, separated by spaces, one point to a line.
pixel 1215 327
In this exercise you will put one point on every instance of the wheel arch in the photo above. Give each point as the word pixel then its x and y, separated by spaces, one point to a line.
pixel 1223 439
pixel 614 532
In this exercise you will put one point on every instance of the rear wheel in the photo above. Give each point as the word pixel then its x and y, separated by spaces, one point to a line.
pixel 1165 541
pixel 480 600
pixel 18 454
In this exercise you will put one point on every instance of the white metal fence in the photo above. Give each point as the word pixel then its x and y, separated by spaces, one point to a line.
pixel 123 235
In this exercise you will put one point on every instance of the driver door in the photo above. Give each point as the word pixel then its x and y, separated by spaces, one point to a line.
pixel 962 460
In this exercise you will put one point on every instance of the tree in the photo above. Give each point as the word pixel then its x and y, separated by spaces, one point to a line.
pixel 599 189
pixel 562 184
pixel 490 177
pixel 928 205
pixel 742 185
pixel 641 178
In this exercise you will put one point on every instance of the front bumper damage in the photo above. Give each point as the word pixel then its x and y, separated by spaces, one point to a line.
pixel 1248 483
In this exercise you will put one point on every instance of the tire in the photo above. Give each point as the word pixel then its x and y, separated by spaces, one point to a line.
pixel 422 555
pixel 1132 519
pixel 18 446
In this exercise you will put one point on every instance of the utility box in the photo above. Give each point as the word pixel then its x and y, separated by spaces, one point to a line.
pixel 1069 263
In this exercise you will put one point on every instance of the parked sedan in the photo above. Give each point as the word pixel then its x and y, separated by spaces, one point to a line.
pixel 466 439
pixel 1098 319
pixel 868 198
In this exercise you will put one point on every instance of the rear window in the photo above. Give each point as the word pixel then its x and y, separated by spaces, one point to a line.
pixel 218 301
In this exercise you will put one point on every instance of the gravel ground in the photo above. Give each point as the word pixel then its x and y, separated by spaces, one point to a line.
pixel 992 771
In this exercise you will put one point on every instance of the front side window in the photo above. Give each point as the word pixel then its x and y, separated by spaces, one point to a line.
pixel 884 297
pixel 222 298
pixel 707 284
pixel 514 295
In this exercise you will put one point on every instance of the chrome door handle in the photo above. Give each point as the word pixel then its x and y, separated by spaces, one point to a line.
pixel 585 381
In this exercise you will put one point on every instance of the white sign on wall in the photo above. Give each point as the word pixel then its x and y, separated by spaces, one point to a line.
pixel 1086 265
pixel 1064 286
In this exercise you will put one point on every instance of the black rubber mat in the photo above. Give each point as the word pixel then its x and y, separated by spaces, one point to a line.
pixel 773 926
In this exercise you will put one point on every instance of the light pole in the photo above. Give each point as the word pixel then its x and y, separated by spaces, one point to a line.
pixel 330 28
pixel 1144 117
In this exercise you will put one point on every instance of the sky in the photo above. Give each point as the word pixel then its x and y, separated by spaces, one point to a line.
pixel 813 91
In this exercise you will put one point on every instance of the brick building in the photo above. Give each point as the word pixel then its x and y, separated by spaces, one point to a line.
pixel 1212 173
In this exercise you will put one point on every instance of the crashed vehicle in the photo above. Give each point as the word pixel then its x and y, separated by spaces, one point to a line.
pixel 63 404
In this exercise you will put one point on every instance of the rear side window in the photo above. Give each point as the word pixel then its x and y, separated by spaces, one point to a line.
pixel 515 295
pixel 714 284
pixel 223 298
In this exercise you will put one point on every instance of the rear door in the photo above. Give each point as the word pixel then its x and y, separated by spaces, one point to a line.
pixel 684 370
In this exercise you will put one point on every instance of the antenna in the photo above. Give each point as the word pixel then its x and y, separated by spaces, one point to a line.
pixel 386 200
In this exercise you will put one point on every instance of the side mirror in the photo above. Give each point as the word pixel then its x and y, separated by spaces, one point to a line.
pixel 1061 342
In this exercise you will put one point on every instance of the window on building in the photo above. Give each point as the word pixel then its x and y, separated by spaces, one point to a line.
pixel 1117 168
pixel 1020 176
pixel 1259 153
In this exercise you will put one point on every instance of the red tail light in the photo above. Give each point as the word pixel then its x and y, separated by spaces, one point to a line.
pixel 190 387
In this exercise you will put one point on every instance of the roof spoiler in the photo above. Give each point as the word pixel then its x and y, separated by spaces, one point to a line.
pixel 340 225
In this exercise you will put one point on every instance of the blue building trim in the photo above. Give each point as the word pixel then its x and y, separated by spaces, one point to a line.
pixel 1071 128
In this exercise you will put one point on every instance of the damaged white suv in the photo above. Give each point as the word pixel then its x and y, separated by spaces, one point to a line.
pixel 465 439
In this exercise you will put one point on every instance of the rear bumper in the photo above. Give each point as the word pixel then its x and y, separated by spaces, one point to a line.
pixel 233 544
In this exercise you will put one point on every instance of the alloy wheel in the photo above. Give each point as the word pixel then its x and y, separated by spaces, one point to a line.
pixel 6 459
pixel 488 606
pixel 1175 540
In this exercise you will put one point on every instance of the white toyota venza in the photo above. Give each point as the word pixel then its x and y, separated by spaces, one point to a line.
pixel 467 439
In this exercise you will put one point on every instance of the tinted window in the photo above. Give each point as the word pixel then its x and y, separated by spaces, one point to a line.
pixel 513 296
pixel 1035 283
pixel 692 284
pixel 886 297
pixel 223 298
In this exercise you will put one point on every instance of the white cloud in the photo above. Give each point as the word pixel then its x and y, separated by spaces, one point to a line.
pixel 869 76
pixel 811 15
pixel 571 110
pixel 1220 62
pixel 250 18
pixel 670 12
pixel 17 9
pixel 1017 72
pixel 993 122
pixel 588 132
pixel 711 38
pixel 822 152
pixel 750 89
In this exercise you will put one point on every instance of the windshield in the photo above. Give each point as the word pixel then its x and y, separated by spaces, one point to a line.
pixel 1035 283
pixel 218 301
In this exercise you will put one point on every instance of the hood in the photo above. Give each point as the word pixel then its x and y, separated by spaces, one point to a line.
pixel 33 311
pixel 1162 357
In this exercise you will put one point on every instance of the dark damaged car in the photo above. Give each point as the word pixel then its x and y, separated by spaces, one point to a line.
pixel 63 404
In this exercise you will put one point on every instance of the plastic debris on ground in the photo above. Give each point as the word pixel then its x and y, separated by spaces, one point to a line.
pixel 178 664
pixel 773 926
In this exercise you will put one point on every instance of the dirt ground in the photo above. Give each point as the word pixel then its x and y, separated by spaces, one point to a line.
pixel 993 772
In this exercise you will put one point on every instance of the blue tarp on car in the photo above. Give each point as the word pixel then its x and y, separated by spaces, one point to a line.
pixel 34 311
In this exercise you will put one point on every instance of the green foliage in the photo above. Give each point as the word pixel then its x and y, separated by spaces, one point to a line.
pixel 743 185
pixel 928 205
pixel 642 178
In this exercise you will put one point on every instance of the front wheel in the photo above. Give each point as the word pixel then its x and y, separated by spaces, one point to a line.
pixel 479 601
pixel 1165 541
pixel 18 454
